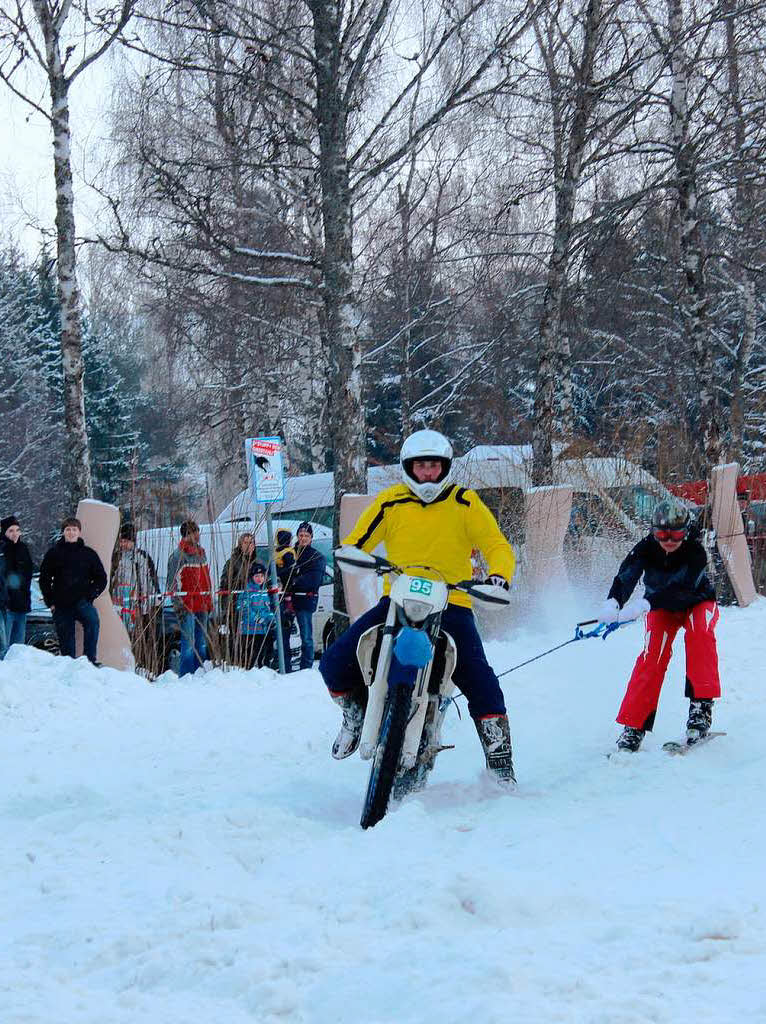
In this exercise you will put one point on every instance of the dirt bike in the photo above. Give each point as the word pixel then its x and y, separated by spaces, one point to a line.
pixel 407 663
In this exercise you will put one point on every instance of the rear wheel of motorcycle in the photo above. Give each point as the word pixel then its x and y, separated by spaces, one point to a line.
pixel 387 754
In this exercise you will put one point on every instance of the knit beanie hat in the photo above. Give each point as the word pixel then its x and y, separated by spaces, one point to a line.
pixel 284 537
pixel 7 523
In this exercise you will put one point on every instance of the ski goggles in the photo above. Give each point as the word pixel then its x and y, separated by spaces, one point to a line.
pixel 661 533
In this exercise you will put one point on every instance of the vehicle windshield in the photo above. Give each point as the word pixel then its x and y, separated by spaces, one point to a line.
pixel 38 605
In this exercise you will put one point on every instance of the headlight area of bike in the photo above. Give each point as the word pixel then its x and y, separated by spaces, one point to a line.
pixel 416 611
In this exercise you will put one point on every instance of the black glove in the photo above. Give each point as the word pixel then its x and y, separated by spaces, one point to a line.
pixel 498 581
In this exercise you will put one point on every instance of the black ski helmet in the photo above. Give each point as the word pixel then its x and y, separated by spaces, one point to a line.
pixel 670 515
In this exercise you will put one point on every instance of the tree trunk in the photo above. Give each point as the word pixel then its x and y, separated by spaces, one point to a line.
pixel 566 390
pixel 344 356
pixel 78 450
pixel 745 347
pixel 695 304
pixel 744 247
pixel 343 345
pixel 567 182
pixel 405 215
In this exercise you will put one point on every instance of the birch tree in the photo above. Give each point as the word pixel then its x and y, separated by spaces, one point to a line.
pixel 574 92
pixel 353 135
pixel 61 38
pixel 695 299
pixel 746 146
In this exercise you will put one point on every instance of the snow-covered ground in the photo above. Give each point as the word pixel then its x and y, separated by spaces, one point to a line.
pixel 188 852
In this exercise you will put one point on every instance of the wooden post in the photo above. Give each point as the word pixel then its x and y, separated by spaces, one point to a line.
pixel 362 591
pixel 547 520
pixel 730 532
pixel 100 524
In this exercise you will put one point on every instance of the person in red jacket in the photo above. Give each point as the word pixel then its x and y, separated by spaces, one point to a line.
pixel 189 584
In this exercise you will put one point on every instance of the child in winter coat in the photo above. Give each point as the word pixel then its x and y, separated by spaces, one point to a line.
pixel 256 619
pixel 677 593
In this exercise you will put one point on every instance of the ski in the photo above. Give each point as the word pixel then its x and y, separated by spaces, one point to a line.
pixel 673 748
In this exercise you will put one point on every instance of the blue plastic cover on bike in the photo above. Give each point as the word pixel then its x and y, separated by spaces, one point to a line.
pixel 413 647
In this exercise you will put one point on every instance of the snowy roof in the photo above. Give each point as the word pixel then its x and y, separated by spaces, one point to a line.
pixel 485 466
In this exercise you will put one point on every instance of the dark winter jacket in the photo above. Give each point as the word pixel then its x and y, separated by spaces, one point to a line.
pixel 306 578
pixel 674 581
pixel 71 572
pixel 188 573
pixel 3 584
pixel 234 577
pixel 18 575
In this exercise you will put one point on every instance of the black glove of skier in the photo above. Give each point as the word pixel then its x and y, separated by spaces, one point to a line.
pixel 498 581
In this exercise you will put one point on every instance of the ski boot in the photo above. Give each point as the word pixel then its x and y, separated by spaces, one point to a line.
pixel 630 739
pixel 350 733
pixel 699 721
pixel 495 737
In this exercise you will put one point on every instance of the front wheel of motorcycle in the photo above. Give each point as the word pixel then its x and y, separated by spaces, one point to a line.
pixel 387 754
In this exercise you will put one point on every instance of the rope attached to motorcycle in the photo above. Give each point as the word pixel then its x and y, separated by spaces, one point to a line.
pixel 603 629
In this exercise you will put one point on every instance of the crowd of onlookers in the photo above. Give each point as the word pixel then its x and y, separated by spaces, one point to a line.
pixel 248 601
pixel 72 577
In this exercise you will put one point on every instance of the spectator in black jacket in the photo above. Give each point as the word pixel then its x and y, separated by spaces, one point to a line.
pixel 303 587
pixel 3 602
pixel 677 594
pixel 19 570
pixel 71 578
pixel 233 582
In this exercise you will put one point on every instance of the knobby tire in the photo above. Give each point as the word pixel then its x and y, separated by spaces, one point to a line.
pixel 387 755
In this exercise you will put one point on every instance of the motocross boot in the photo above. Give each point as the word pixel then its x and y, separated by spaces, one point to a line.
pixel 495 737
pixel 350 733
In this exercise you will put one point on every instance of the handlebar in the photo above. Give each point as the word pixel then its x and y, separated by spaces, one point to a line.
pixel 354 559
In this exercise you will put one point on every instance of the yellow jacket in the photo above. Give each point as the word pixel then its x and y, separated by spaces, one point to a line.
pixel 280 553
pixel 440 535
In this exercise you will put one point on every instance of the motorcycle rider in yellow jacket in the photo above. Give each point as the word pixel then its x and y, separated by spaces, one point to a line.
pixel 428 521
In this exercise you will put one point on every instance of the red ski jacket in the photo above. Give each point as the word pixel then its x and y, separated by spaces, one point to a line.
pixel 189 576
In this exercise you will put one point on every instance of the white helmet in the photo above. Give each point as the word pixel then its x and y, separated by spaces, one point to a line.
pixel 426 444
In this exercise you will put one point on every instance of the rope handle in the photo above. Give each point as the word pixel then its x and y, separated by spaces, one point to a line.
pixel 603 629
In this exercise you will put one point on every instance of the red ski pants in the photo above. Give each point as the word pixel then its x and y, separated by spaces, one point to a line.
pixel 639 705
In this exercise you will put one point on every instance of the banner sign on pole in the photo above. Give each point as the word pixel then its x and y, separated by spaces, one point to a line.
pixel 265 468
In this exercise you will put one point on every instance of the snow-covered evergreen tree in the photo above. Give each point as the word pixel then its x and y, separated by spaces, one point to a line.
pixel 30 438
pixel 110 400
